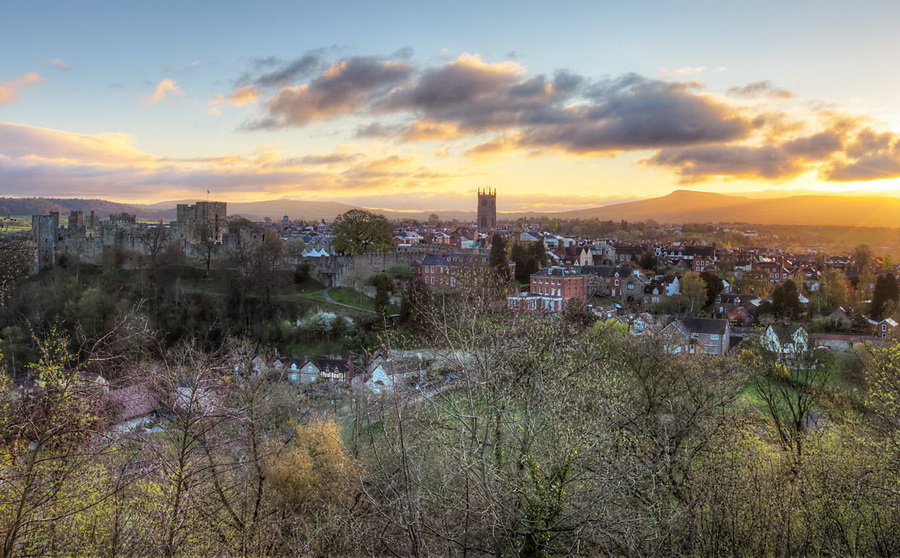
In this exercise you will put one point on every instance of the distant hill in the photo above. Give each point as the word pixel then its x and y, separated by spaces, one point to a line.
pixel 103 208
pixel 683 206
pixel 308 210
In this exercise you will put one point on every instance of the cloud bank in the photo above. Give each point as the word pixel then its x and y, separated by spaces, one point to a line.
pixel 754 131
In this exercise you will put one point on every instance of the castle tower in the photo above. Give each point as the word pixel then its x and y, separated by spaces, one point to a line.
pixel 487 209
pixel 44 231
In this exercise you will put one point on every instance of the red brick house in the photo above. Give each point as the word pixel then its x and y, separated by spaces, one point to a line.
pixel 445 271
pixel 551 288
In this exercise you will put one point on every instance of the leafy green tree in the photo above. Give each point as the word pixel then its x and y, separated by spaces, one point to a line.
pixel 358 231
pixel 884 296
pixel 401 271
pixel 832 291
pixel 693 291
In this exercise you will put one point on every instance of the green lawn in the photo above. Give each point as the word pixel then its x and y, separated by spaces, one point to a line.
pixel 346 295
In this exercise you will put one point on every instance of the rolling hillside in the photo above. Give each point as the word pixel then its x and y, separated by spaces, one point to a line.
pixel 681 206
pixel 684 206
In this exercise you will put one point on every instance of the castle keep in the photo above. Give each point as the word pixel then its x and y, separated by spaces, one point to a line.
pixel 87 237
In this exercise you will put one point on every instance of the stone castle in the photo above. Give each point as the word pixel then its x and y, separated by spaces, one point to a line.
pixel 87 237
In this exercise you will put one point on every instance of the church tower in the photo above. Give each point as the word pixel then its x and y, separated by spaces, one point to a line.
pixel 487 210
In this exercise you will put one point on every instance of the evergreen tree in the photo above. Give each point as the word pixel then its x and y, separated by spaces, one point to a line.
pixel 714 286
pixel 499 262
pixel 885 293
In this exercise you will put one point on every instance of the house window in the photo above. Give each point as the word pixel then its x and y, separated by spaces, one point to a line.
pixel 883 327
pixel 617 282
pixel 630 286
pixel 714 337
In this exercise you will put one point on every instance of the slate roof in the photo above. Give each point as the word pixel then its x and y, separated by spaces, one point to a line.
pixel 785 332
pixel 607 270
pixel 556 272
pixel 453 259
pixel 706 326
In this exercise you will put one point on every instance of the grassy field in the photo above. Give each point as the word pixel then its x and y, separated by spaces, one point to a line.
pixel 840 389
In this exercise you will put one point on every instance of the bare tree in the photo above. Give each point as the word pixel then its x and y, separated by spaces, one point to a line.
pixel 53 440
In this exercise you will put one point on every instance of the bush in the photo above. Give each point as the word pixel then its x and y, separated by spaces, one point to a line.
pixel 401 271
pixel 325 324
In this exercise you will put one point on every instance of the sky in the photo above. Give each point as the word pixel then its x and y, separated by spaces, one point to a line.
pixel 416 105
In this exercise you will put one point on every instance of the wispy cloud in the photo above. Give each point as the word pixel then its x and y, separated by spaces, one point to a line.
pixel 244 96
pixel 686 71
pixel 165 89
pixel 60 64
pixel 9 90
pixel 760 89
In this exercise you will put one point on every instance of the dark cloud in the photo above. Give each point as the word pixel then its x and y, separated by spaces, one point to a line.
pixel 869 167
pixel 697 135
pixel 477 96
pixel 694 164
pixel 778 161
pixel 870 155
pixel 566 82
pixel 868 142
pixel 634 112
pixel 345 87
pixel 759 89
pixel 273 72
pixel 818 146
pixel 567 112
